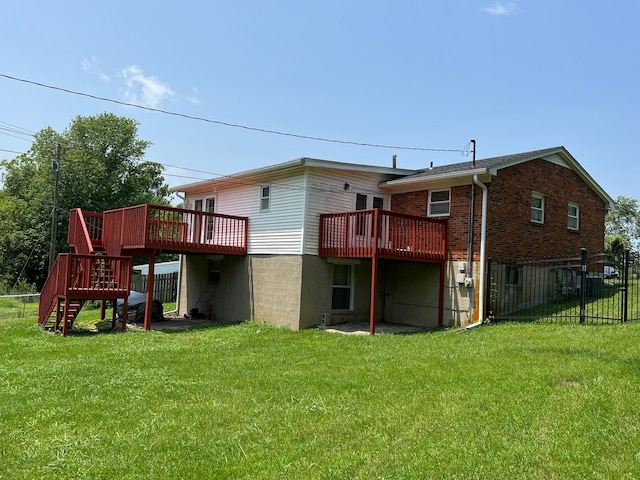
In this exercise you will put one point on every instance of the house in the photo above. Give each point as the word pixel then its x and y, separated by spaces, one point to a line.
pixel 314 241
pixel 332 242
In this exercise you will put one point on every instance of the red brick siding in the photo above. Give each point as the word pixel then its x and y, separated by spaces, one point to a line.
pixel 510 232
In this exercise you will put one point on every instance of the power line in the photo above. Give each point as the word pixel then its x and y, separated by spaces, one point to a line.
pixel 17 129
pixel 227 124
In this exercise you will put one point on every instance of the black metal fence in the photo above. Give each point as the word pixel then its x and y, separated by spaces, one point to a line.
pixel 588 288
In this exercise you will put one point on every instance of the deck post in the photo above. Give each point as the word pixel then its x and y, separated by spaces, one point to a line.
pixel 374 274
pixel 441 295
pixel 372 306
pixel 149 302
pixel 65 317
pixel 114 312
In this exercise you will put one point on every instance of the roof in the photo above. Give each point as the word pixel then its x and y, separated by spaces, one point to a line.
pixel 292 164
pixel 487 167
pixel 159 268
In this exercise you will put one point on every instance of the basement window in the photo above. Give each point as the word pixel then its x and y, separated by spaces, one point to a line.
pixel 342 288
pixel 213 273
pixel 573 216
pixel 439 203
pixel 537 208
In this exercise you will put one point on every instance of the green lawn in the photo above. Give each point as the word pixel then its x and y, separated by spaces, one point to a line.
pixel 252 401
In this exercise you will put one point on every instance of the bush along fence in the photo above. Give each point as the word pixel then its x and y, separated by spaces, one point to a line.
pixel 588 288
pixel 165 285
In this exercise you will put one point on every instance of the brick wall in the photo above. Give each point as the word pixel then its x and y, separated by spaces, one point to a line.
pixel 510 232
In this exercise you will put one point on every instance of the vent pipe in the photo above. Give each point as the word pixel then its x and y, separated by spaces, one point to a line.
pixel 393 159
pixel 474 152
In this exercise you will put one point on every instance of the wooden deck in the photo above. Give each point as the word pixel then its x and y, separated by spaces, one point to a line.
pixel 153 227
pixel 384 234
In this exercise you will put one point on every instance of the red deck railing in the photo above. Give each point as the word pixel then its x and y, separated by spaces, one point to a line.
pixel 174 229
pixel 85 231
pixel 85 276
pixel 365 233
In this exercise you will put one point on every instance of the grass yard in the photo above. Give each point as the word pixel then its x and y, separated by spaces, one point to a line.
pixel 250 401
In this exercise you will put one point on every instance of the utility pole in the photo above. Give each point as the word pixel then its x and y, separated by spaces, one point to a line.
pixel 55 167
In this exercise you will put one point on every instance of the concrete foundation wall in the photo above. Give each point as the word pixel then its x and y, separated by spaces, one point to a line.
pixel 317 275
pixel 458 298
pixel 276 285
pixel 411 293
pixel 227 300
pixel 294 291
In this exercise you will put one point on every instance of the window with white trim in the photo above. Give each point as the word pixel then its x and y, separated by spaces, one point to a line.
pixel 573 216
pixel 537 208
pixel 439 203
pixel 265 198
pixel 342 287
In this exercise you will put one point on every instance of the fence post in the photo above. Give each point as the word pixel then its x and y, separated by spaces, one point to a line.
pixel 583 283
pixel 486 310
pixel 624 288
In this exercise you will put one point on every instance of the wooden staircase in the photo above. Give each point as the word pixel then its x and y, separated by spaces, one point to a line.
pixel 103 245
pixel 85 274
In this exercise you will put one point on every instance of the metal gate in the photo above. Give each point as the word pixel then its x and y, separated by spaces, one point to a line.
pixel 588 288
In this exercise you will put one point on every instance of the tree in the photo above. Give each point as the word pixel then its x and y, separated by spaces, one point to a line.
pixel 101 168
pixel 622 225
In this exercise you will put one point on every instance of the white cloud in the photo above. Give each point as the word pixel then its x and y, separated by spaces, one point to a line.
pixel 145 90
pixel 92 67
pixel 501 9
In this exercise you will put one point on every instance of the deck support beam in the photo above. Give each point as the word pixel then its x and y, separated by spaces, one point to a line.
pixel 372 306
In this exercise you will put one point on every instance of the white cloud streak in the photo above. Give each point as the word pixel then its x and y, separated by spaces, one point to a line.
pixel 145 90
pixel 92 67
pixel 501 9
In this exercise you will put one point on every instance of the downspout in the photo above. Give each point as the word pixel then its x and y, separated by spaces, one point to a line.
pixel 483 248
pixel 471 217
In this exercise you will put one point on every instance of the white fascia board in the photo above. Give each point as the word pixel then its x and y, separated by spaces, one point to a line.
pixel 402 185
pixel 306 162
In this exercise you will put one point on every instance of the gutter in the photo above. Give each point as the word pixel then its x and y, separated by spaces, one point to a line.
pixel 483 253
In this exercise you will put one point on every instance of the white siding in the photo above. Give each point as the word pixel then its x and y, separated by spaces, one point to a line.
pixel 327 194
pixel 276 231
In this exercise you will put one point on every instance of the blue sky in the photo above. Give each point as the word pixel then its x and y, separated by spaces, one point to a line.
pixel 516 76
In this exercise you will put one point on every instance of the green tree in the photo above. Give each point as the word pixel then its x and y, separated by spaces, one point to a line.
pixel 622 225
pixel 101 167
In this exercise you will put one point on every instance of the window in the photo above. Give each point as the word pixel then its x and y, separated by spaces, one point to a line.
pixel 512 275
pixel 198 205
pixel 439 203
pixel 211 208
pixel 573 216
pixel 361 204
pixel 537 208
pixel 342 287
pixel 265 198
pixel 213 273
